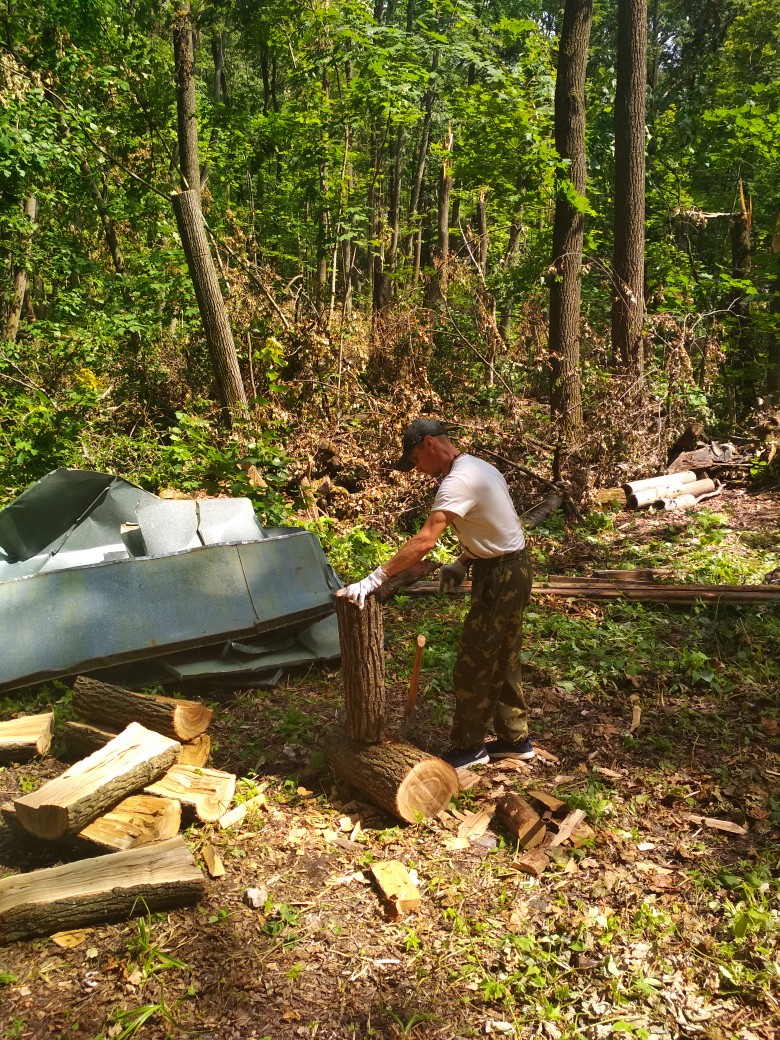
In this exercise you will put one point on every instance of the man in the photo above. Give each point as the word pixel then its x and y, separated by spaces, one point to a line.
pixel 473 498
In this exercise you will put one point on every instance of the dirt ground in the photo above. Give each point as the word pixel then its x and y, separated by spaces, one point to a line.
pixel 626 933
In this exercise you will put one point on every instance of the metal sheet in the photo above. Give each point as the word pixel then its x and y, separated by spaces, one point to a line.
pixel 71 618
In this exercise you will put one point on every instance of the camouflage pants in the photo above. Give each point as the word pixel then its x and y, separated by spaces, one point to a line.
pixel 487 672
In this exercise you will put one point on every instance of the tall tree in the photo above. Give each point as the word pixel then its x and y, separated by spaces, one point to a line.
pixel 568 228
pixel 628 301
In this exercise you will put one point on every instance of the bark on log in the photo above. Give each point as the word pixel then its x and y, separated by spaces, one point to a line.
pixel 361 636
pixel 521 820
pixel 535 515
pixel 137 820
pixel 396 776
pixel 108 888
pixel 65 805
pixel 208 791
pixel 22 739
pixel 80 739
pixel 100 702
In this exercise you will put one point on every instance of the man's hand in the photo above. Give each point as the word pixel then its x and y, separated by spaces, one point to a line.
pixel 357 593
pixel 451 575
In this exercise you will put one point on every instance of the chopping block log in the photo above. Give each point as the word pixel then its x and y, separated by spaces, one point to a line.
pixel 399 777
pixel 361 635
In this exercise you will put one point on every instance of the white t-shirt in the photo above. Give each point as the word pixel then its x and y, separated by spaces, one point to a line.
pixel 477 494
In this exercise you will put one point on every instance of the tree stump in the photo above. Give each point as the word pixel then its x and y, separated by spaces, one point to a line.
pixel 399 777
pixel 361 635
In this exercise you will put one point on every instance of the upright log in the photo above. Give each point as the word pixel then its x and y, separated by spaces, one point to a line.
pixel 114 706
pixel 361 635
pixel 399 777
pixel 154 877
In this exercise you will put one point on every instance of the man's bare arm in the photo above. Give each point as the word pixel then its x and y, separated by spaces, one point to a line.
pixel 420 544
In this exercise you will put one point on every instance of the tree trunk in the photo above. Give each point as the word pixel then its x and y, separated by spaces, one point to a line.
pixel 186 206
pixel 566 387
pixel 186 117
pixel 773 352
pixel 744 363
pixel 361 635
pixel 413 246
pixel 628 304
pixel 439 283
pixel 409 783
pixel 21 276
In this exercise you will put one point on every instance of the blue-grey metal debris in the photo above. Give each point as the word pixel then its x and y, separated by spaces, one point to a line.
pixel 96 573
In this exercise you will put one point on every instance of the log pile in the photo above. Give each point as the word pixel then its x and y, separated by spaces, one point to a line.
pixel 670 491
pixel 122 800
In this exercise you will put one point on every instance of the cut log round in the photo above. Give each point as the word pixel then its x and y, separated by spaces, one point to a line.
pixel 114 887
pixel 399 777
pixel 65 805
pixel 113 706
pixel 361 636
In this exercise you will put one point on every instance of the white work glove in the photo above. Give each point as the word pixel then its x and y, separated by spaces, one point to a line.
pixel 358 592
pixel 451 575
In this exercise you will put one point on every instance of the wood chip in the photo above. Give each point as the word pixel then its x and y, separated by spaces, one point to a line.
pixel 399 892
pixel 475 824
pixel 232 816
pixel 214 864
pixel 567 827
pixel 534 862
pixel 717 825
pixel 549 801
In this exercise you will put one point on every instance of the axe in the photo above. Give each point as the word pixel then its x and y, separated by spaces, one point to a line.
pixel 411 696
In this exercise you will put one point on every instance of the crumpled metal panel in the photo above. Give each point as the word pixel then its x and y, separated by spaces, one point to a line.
pixel 82 601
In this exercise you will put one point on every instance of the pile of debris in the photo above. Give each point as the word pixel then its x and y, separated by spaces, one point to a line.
pixel 124 802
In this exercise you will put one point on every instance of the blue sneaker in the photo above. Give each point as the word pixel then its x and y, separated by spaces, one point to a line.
pixel 465 758
pixel 519 749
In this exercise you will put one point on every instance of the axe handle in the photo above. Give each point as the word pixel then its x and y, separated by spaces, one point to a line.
pixel 411 697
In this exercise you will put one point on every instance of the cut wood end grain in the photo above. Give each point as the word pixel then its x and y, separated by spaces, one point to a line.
pixel 426 789
pixel 208 791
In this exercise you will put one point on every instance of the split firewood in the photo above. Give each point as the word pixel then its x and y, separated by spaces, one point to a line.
pixel 65 805
pixel 521 820
pixel 80 739
pixel 717 825
pixel 114 887
pixel 534 862
pixel 549 801
pixel 214 864
pixel 22 739
pixel 195 752
pixel 567 828
pixel 100 702
pixel 398 890
pixel 208 791
pixel 395 775
pixel 137 820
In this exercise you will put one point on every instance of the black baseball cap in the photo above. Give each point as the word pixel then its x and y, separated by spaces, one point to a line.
pixel 418 431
